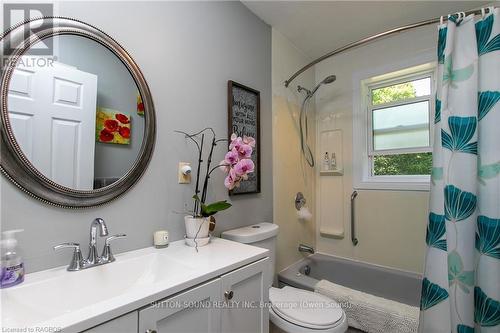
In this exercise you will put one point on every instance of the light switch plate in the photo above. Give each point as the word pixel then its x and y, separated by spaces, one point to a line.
pixel 183 179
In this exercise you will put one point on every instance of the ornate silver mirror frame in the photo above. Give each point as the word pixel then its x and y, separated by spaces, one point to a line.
pixel 14 164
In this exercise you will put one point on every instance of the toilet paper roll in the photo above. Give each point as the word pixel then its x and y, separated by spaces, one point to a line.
pixel 304 214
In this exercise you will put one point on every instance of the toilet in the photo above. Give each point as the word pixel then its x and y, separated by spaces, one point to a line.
pixel 292 310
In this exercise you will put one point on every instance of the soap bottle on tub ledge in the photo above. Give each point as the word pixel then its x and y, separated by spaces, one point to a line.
pixel 12 267
pixel 326 162
pixel 333 162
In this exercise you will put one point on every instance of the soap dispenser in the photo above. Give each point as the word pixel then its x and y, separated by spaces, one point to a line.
pixel 12 267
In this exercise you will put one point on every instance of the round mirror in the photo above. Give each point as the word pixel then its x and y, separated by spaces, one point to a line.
pixel 77 116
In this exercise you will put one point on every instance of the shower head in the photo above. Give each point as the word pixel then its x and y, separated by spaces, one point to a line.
pixel 327 80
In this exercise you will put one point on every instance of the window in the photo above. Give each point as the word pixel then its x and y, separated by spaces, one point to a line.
pixel 394 130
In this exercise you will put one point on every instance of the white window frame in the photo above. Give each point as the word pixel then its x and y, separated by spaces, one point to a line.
pixel 363 153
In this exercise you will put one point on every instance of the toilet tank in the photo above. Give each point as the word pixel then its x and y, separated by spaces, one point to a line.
pixel 260 235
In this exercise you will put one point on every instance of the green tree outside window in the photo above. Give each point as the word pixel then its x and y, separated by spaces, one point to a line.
pixel 393 93
pixel 401 164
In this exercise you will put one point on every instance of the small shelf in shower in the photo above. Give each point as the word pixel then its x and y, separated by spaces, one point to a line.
pixel 335 172
pixel 330 197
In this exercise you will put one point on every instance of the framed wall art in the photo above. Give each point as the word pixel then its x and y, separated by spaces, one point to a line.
pixel 244 120
pixel 112 127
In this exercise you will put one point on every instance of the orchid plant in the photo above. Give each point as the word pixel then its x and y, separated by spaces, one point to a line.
pixel 237 164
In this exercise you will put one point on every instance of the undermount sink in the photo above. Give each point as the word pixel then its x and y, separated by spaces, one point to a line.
pixel 74 301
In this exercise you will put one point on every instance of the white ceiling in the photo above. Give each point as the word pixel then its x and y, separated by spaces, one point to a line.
pixel 317 27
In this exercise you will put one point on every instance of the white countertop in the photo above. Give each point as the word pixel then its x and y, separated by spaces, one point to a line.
pixel 75 301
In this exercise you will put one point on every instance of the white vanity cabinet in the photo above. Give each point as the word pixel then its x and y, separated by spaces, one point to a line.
pixel 247 287
pixel 232 303
pixel 190 311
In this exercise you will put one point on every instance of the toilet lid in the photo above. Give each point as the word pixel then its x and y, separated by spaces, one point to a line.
pixel 305 308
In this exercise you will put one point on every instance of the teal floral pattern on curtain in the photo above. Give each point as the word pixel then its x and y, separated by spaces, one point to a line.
pixel 461 285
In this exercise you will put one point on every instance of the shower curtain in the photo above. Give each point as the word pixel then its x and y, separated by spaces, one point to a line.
pixel 461 285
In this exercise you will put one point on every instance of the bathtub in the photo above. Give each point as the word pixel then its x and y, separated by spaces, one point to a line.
pixel 380 281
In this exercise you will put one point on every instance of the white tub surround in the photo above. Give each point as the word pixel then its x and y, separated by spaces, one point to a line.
pixel 76 301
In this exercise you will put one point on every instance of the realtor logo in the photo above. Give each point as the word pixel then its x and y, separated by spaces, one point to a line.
pixel 15 13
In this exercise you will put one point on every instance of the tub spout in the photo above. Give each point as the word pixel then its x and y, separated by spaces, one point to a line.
pixel 306 248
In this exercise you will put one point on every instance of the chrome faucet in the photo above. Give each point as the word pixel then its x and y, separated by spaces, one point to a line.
pixel 77 261
pixel 93 258
pixel 306 248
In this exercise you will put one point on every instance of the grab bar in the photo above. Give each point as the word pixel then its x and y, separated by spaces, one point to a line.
pixel 354 240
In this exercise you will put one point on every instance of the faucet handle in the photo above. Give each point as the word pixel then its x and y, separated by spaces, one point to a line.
pixel 77 259
pixel 107 255
pixel 112 238
pixel 70 245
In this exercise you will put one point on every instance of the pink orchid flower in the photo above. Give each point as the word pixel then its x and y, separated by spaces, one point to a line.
pixel 248 140
pixel 235 143
pixel 245 151
pixel 244 167
pixel 231 157
pixel 231 179
pixel 224 166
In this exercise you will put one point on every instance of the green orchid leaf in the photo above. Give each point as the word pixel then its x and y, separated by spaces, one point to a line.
pixel 211 209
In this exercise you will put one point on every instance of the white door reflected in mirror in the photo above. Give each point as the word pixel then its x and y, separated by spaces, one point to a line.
pixel 52 114
pixel 77 115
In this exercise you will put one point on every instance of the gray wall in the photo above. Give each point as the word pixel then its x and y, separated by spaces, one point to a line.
pixel 187 52
pixel 116 90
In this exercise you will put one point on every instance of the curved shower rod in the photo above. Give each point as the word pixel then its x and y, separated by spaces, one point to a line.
pixel 370 39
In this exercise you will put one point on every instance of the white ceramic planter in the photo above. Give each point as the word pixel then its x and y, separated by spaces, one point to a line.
pixel 196 226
